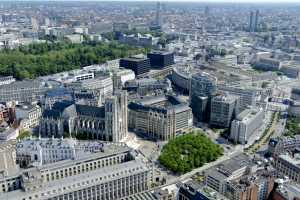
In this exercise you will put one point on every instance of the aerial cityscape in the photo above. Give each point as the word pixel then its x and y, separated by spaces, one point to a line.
pixel 149 100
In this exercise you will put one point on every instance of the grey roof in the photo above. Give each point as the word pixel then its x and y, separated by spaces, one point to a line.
pixel 228 167
pixel 173 103
pixel 92 111
pixel 69 109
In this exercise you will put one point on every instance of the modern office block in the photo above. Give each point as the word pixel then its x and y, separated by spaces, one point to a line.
pixel 245 124
pixel 203 87
pixel 140 65
pixel 160 59
pixel 224 108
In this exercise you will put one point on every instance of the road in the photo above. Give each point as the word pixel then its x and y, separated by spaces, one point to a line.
pixel 188 175
pixel 265 138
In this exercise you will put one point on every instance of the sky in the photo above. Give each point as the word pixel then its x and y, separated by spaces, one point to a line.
pixel 210 1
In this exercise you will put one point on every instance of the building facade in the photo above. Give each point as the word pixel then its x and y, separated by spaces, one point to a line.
pixel 203 87
pixel 103 171
pixel 160 59
pixel 140 65
pixel 245 124
pixel 108 122
pixel 22 91
pixel 224 108
pixel 160 117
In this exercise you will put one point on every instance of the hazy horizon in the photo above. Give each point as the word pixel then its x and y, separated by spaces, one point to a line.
pixel 204 1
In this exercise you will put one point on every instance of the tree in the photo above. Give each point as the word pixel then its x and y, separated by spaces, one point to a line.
pixel 189 151
pixel 47 58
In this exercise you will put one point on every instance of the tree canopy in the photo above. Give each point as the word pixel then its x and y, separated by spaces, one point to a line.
pixel 189 151
pixel 53 57
pixel 292 126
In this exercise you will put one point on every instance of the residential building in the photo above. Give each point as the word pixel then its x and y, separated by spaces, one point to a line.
pixel 245 124
pixel 160 117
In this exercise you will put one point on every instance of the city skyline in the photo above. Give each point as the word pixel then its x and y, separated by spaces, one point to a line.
pixel 183 1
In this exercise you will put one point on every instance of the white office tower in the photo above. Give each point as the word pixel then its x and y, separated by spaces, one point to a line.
pixel 246 123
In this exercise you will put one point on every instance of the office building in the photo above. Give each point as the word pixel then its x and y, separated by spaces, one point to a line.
pixel 189 191
pixel 247 95
pixel 108 122
pixel 22 91
pixel 140 65
pixel 92 91
pixel 286 191
pixel 41 151
pixel 245 124
pixel 253 24
pixel 160 59
pixel 203 87
pixel 181 77
pixel 288 164
pixel 217 177
pixel 224 108
pixel 121 26
pixel 160 117
pixel 158 17
pixel 267 64
pixel 281 145
pixel 102 171
pixel 148 86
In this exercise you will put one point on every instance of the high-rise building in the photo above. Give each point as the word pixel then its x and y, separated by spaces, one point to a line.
pixel 253 24
pixel 158 18
pixel 203 86
pixel 256 20
pixel 224 108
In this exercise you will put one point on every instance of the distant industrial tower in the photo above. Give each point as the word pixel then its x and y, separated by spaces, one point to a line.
pixel 253 25
pixel 158 19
